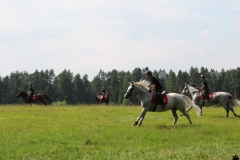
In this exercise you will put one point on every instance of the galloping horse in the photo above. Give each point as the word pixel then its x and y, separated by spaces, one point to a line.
pixel 101 98
pixel 35 98
pixel 214 98
pixel 173 101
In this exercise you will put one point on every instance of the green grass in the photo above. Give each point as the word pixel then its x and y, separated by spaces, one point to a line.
pixel 93 132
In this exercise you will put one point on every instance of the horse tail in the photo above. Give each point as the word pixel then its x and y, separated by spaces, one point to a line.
pixel 195 107
pixel 234 101
pixel 47 98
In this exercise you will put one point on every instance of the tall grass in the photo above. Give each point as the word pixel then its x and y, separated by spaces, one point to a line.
pixel 100 132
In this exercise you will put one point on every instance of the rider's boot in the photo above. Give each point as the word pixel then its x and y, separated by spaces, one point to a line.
pixel 157 102
pixel 30 99
pixel 162 102
pixel 206 98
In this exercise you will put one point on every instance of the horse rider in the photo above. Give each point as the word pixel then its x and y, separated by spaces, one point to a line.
pixel 204 88
pixel 103 92
pixel 31 92
pixel 157 87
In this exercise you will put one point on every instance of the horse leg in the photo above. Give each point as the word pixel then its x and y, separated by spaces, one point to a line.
pixel 226 107
pixel 174 113
pixel 188 116
pixel 141 121
pixel 227 112
pixel 201 110
pixel 189 108
pixel 45 103
pixel 97 100
pixel 141 116
pixel 231 109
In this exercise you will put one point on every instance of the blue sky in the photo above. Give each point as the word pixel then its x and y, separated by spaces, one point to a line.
pixel 86 36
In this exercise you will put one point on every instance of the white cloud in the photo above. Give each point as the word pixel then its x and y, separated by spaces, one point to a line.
pixel 236 25
pixel 86 36
pixel 204 33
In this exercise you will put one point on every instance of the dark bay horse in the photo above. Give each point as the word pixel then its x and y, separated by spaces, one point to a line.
pixel 101 98
pixel 38 97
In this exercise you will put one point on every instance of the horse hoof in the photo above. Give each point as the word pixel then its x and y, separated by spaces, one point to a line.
pixel 135 124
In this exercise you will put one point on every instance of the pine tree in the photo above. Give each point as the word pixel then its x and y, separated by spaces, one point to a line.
pixel 194 76
pixel 171 82
pixel 78 94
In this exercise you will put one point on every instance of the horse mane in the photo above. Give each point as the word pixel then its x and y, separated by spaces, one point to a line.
pixel 24 92
pixel 144 83
pixel 194 86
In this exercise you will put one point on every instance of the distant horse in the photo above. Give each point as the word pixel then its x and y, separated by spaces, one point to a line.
pixel 173 101
pixel 221 98
pixel 101 98
pixel 35 98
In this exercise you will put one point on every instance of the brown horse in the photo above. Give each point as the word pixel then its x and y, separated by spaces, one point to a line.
pixel 35 98
pixel 101 98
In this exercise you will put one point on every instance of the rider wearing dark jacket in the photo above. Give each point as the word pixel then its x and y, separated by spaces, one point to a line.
pixel 157 87
pixel 204 88
pixel 31 92
pixel 103 91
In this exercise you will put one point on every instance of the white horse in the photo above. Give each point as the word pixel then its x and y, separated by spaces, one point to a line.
pixel 221 98
pixel 175 102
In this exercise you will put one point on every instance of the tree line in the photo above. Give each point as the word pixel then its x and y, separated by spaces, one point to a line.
pixel 77 89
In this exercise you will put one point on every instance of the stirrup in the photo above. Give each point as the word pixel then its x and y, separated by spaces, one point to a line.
pixel 163 107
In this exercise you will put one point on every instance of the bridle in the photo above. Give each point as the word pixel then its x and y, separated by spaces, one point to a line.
pixel 130 94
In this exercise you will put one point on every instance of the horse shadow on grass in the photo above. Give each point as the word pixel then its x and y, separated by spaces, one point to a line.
pixel 179 126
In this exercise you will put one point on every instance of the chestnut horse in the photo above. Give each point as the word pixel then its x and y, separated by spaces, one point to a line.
pixel 38 97
pixel 101 98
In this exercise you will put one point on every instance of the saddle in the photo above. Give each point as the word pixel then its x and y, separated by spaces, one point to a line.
pixel 164 97
pixel 210 96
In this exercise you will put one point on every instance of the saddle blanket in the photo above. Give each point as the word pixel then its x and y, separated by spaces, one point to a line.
pixel 102 97
pixel 34 97
pixel 165 99
pixel 210 96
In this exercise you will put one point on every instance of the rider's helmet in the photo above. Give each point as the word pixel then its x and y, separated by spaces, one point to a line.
pixel 202 76
pixel 148 73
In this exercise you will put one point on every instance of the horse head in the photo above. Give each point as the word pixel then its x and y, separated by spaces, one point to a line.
pixel 18 95
pixel 185 89
pixel 129 90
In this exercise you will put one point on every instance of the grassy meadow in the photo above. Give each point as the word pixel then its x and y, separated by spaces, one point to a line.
pixel 105 132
